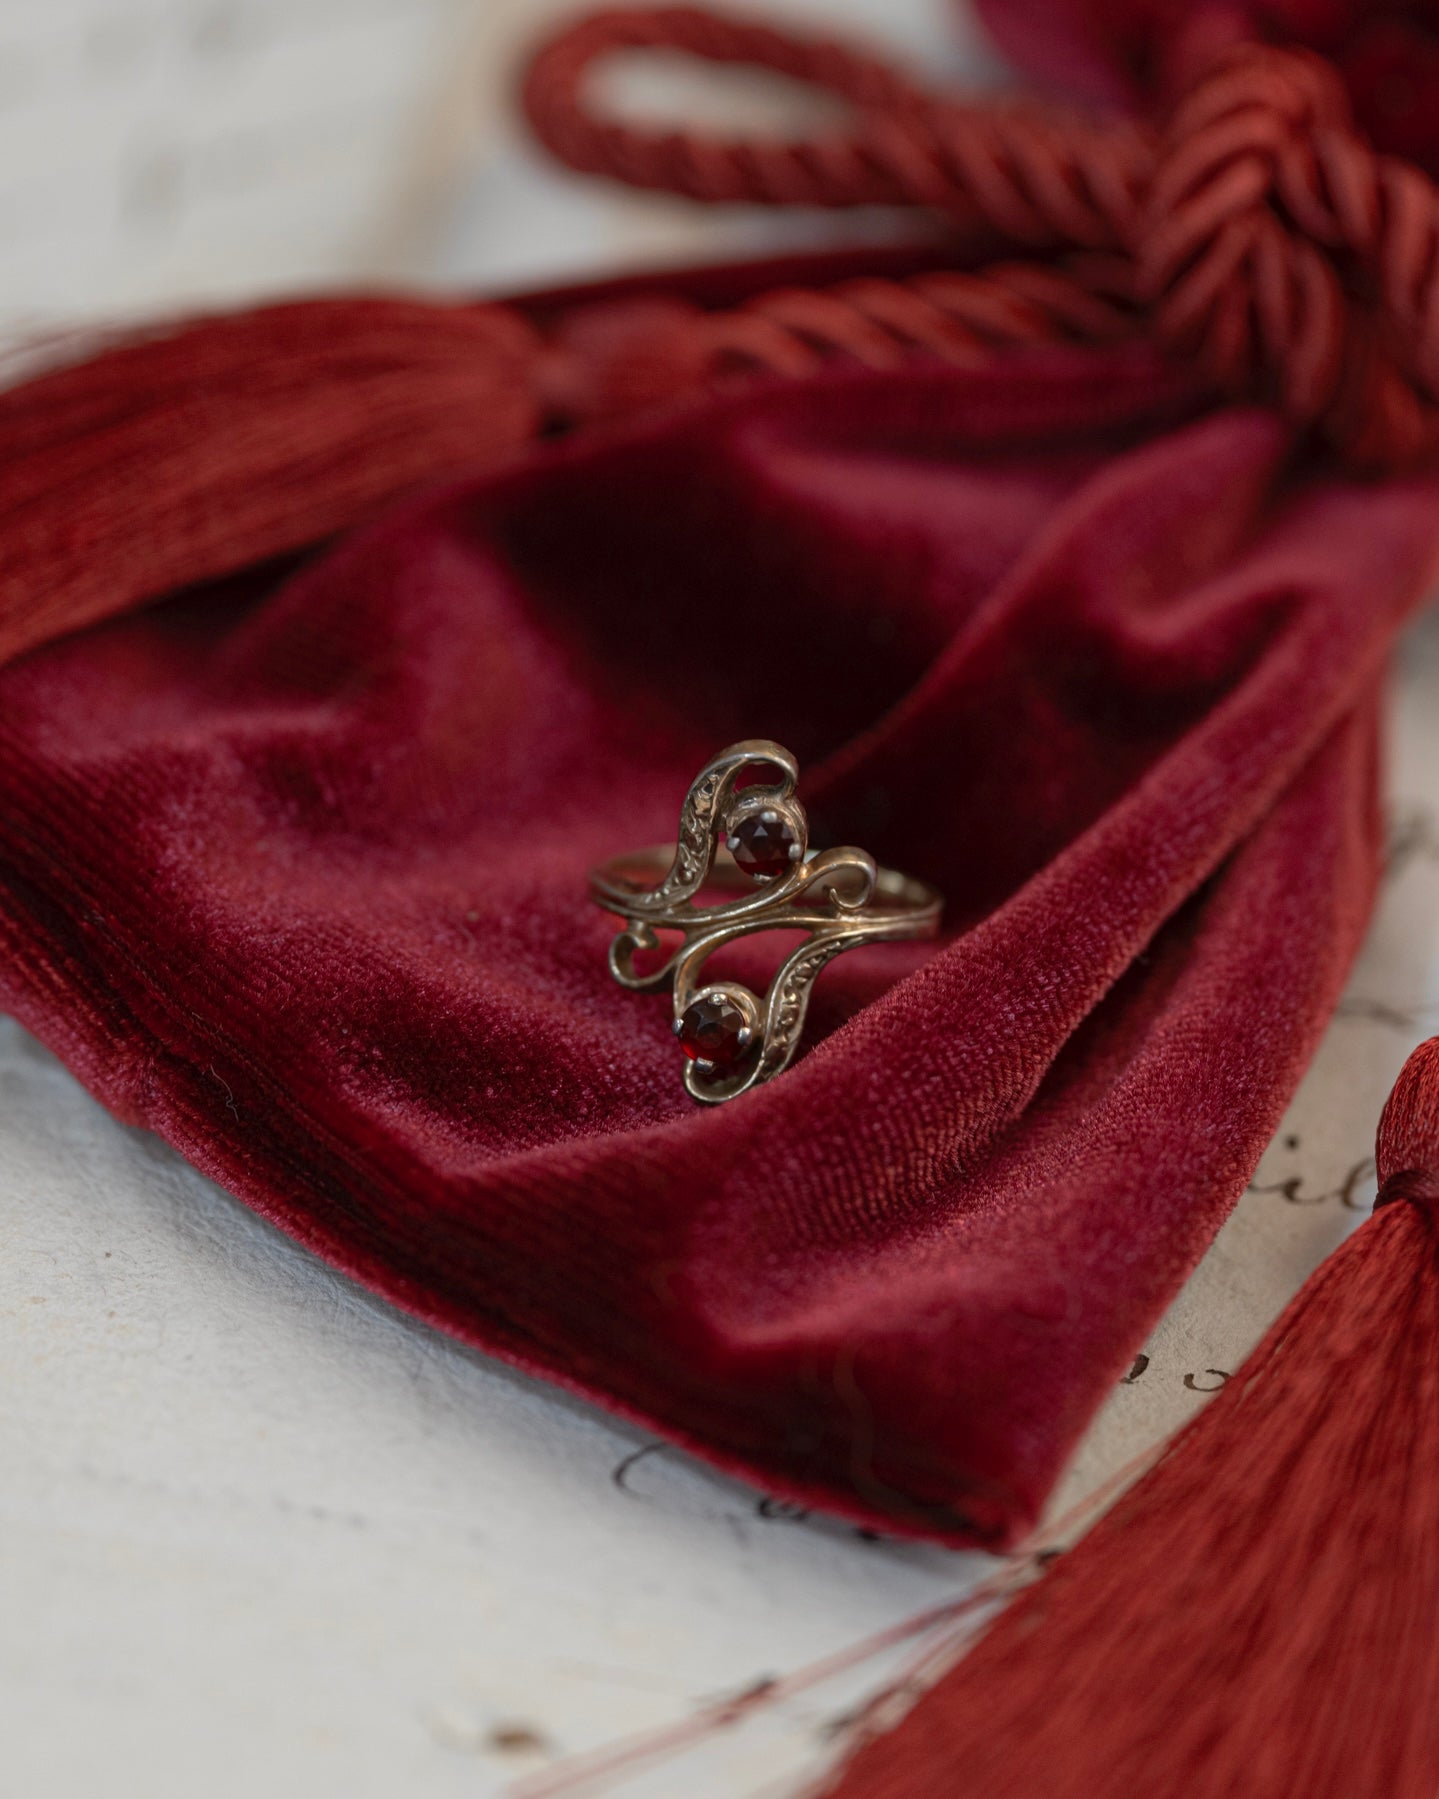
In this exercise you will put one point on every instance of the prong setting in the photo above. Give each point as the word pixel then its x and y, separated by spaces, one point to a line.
pixel 837 900
pixel 765 837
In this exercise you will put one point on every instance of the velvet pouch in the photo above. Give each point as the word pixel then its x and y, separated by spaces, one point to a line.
pixel 292 872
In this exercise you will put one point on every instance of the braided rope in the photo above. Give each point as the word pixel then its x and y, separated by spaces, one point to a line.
pixel 1256 231
pixel 955 318
pixel 997 164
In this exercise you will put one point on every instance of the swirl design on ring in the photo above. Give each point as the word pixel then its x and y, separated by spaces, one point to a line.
pixel 752 839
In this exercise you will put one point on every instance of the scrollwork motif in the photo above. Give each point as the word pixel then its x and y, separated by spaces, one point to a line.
pixel 837 897
pixel 702 818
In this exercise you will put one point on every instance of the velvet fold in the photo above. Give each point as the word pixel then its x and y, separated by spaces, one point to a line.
pixel 292 871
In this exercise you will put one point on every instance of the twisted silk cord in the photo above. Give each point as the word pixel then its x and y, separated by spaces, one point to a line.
pixel 1254 229
pixel 1253 233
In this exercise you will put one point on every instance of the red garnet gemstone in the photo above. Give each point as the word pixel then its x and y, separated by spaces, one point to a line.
pixel 764 843
pixel 712 1029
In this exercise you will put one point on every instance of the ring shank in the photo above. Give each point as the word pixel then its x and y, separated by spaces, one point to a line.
pixel 616 884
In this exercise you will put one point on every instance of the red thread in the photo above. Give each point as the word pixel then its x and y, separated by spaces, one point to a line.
pixel 1406 1153
pixel 237 439
pixel 1256 1615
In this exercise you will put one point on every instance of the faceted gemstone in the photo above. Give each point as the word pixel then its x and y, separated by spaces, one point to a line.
pixel 712 1029
pixel 764 844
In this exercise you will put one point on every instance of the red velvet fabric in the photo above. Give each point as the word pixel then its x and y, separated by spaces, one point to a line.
pixel 293 872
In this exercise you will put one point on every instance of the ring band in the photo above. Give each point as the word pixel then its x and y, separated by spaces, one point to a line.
pixel 751 842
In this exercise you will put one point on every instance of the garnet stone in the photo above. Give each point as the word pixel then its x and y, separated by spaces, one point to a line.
pixel 764 843
pixel 713 1029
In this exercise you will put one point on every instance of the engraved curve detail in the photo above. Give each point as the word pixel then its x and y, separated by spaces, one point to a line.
pixel 754 840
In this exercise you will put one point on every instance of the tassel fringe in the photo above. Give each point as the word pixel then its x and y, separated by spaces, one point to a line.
pixel 180 456
pixel 1258 1617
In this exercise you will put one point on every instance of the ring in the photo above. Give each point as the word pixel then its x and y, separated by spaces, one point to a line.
pixel 751 842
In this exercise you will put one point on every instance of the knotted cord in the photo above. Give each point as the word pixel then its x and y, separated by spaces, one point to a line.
pixel 1255 229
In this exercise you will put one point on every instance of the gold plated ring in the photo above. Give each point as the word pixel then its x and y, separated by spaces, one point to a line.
pixel 743 864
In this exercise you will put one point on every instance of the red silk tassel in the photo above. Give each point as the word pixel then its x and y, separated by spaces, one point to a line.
pixel 236 439
pixel 1257 1615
